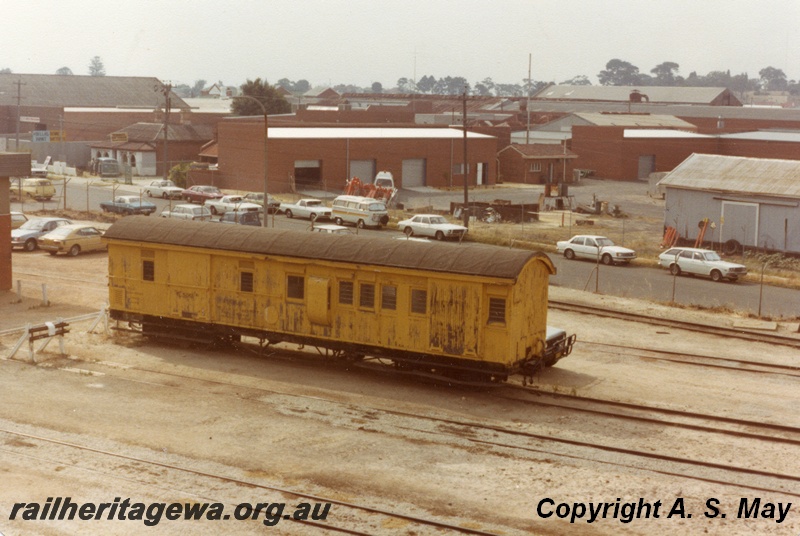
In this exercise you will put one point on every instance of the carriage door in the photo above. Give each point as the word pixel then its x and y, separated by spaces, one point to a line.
pixel 319 301
pixel 454 316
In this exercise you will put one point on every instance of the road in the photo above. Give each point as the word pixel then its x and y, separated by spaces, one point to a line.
pixel 634 281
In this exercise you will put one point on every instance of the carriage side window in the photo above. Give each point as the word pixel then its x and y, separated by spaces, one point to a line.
pixel 389 297
pixel 367 296
pixel 419 301
pixel 148 270
pixel 295 287
pixel 346 292
pixel 246 281
pixel 497 310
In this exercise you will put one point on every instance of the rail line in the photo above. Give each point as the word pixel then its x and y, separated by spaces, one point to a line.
pixel 728 363
pixel 739 333
pixel 520 441
pixel 358 509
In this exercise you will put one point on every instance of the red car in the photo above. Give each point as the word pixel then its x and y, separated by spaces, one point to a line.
pixel 200 194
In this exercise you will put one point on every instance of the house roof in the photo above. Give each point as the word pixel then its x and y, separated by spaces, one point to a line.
pixel 84 91
pixel 534 151
pixel 659 94
pixel 148 132
pixel 469 258
pixel 736 174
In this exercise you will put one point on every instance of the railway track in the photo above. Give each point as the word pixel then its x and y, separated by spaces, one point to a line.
pixel 697 359
pixel 343 517
pixel 528 443
pixel 748 335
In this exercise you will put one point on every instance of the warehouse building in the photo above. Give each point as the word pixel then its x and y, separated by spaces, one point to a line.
pixel 739 201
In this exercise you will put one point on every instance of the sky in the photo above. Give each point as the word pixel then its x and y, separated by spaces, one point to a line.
pixel 364 41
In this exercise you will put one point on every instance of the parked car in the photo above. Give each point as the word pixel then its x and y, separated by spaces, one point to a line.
pixel 258 198
pixel 595 247
pixel 241 218
pixel 700 262
pixel 108 167
pixel 128 204
pixel 187 212
pixel 163 189
pixel 306 208
pixel 17 219
pixel 200 194
pixel 361 211
pixel 28 234
pixel 431 225
pixel 229 203
pixel 32 188
pixel 331 229
pixel 72 239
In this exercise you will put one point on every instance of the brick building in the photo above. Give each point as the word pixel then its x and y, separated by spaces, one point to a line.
pixel 536 163
pixel 324 158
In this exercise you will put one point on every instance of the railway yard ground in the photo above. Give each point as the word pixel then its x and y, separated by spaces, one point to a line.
pixel 702 428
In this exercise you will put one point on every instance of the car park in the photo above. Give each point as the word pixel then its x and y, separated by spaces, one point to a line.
pixel 200 193
pixel 187 211
pixel 705 262
pixel 28 234
pixel 32 188
pixel 234 203
pixel 17 219
pixel 127 205
pixel 596 248
pixel 72 240
pixel 258 198
pixel 306 208
pixel 360 211
pixel 164 189
pixel 432 225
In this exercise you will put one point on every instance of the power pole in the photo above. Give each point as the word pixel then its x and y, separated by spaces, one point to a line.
pixel 466 167
pixel 166 90
pixel 19 84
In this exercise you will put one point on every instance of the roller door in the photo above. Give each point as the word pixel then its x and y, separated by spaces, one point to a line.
pixel 413 173
pixel 363 169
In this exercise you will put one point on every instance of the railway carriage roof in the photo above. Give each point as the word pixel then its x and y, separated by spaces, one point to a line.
pixel 468 259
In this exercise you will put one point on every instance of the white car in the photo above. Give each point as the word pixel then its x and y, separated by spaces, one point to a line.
pixel 187 211
pixel 595 248
pixel 163 189
pixel 306 208
pixel 432 225
pixel 700 262
pixel 231 203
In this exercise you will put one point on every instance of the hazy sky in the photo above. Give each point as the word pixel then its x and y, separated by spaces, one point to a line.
pixel 364 41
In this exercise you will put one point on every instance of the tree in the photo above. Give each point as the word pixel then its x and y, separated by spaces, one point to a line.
pixel 197 88
pixel 426 84
pixel 580 80
pixel 96 67
pixel 64 71
pixel 5 70
pixel 619 73
pixel 405 85
pixel 264 93
pixel 302 86
pixel 377 87
pixel 664 73
pixel 773 79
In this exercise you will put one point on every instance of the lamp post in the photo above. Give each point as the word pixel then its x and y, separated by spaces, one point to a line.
pixel 266 132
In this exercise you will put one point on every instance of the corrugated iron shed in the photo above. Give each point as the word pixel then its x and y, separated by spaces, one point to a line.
pixel 735 174
pixel 635 120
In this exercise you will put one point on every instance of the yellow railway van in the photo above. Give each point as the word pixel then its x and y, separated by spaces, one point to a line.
pixel 468 311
